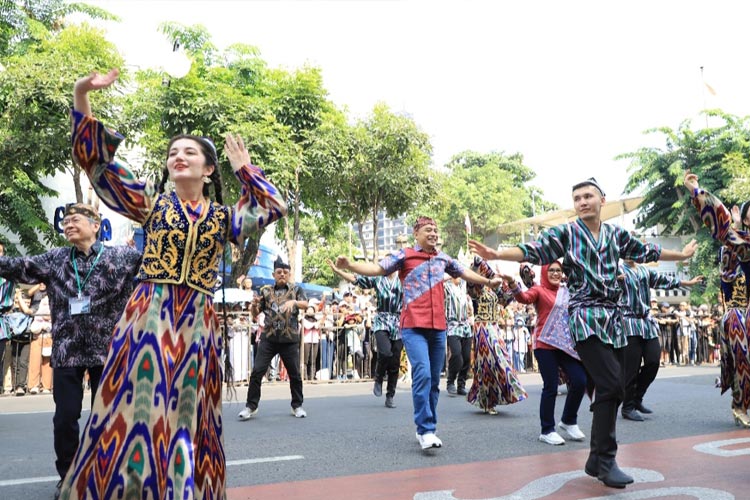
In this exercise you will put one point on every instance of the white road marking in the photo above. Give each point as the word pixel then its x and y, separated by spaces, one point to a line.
pixel 715 448
pixel 51 479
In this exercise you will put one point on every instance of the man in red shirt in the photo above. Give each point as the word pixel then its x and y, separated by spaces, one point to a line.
pixel 421 270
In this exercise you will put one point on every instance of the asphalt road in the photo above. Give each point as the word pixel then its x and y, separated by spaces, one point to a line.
pixel 348 431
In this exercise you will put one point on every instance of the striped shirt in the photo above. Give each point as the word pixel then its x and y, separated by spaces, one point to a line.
pixel 389 296
pixel 457 310
pixel 591 267
pixel 634 301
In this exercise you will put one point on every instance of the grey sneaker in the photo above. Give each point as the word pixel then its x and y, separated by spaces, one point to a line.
pixel 299 412
pixel 452 389
pixel 247 414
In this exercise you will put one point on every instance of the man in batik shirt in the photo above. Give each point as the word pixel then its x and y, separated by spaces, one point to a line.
pixel 7 294
pixel 88 285
pixel 422 322
pixel 591 250
pixel 280 304
pixel 389 296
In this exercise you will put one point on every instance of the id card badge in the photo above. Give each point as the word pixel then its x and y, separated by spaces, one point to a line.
pixel 80 305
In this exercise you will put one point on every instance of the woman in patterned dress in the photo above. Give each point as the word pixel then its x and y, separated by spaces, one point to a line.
pixel 155 430
pixel 495 382
pixel 735 292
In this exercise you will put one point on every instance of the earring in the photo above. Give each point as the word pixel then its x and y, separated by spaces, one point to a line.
pixel 206 179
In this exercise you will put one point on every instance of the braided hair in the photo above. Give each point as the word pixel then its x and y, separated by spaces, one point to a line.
pixel 208 148
pixel 212 158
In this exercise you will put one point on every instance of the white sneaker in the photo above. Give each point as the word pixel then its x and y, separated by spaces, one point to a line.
pixel 299 412
pixel 247 413
pixel 552 438
pixel 573 431
pixel 429 440
pixel 34 390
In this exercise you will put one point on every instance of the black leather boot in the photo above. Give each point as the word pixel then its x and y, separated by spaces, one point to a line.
pixel 639 406
pixel 390 389
pixel 605 422
pixel 592 464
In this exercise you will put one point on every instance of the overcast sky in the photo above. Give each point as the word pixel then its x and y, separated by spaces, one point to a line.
pixel 569 84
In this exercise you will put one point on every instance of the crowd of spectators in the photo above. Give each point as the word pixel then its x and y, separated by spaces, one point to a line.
pixel 337 338
pixel 338 343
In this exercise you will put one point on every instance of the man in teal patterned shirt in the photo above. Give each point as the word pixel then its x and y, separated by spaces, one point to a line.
pixel 642 332
pixel 591 250
pixel 7 293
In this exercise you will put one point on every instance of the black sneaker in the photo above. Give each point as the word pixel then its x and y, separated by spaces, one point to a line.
pixel 389 402
pixel 462 391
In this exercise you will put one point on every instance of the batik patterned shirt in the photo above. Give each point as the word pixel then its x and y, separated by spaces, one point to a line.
pixel 591 267
pixel 80 340
pixel 457 310
pixel 7 294
pixel 635 300
pixel 280 326
pixel 421 275
pixel 390 297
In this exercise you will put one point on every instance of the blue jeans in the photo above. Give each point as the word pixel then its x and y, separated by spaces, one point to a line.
pixel 550 361
pixel 326 355
pixel 425 349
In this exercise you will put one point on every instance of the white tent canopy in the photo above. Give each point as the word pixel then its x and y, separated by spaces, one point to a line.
pixel 610 210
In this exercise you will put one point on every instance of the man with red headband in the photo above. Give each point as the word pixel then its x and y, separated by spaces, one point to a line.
pixel 421 270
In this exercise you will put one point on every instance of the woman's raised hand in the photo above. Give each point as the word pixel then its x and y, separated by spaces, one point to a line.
pixel 236 151
pixel 96 81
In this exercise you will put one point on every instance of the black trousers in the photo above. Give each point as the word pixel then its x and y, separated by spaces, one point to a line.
pixel 19 362
pixel 459 360
pixel 389 361
pixel 639 377
pixel 289 353
pixel 604 365
pixel 67 391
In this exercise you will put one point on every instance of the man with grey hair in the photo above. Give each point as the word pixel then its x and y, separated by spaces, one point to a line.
pixel 88 286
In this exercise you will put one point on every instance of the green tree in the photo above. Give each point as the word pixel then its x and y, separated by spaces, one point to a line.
pixel 719 155
pixel 299 102
pixel 25 24
pixel 319 248
pixel 35 98
pixel 388 170
pixel 492 188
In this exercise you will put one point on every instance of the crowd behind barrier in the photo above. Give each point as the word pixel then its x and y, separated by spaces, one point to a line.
pixel 345 348
pixel 342 348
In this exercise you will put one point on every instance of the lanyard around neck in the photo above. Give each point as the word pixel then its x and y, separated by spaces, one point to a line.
pixel 75 268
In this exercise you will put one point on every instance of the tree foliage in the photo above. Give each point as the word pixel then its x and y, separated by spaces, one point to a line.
pixel 388 170
pixel 492 188
pixel 35 99
pixel 719 155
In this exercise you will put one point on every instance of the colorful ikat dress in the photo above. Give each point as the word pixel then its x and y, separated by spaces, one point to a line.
pixel 735 292
pixel 155 430
pixel 495 382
